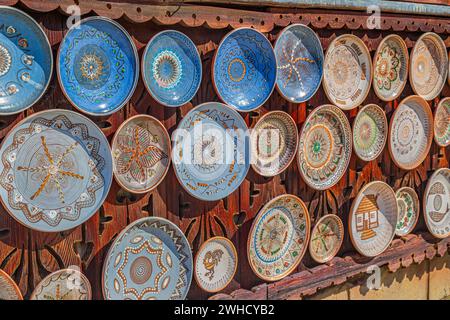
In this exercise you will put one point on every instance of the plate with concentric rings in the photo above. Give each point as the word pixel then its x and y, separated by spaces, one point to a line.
pixel 442 123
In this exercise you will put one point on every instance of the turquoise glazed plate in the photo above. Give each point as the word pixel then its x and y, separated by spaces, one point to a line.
pixel 149 260
pixel 55 170
pixel 171 68
pixel 98 66
pixel 244 69
pixel 26 61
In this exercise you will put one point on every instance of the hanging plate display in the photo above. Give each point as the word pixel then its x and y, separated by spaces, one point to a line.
pixel 347 72
pixel 215 264
pixel 98 66
pixel 326 238
pixel 211 151
pixel 436 203
pixel 408 210
pixel 370 129
pixel 171 68
pixel 244 69
pixel 442 123
pixel 56 170
pixel 410 132
pixel 8 288
pixel 273 141
pixel 149 260
pixel 429 66
pixel 26 61
pixel 299 56
pixel 325 147
pixel 141 153
pixel 278 237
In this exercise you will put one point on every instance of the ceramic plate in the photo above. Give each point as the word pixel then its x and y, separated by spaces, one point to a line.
pixel 436 203
pixel 26 61
pixel 408 210
pixel 429 66
pixel 8 288
pixel 215 264
pixel 98 66
pixel 278 237
pixel 244 69
pixel 211 151
pixel 171 68
pixel 273 141
pixel 299 57
pixel 370 129
pixel 347 72
pixel 325 147
pixel 326 238
pixel 149 260
pixel 442 123
pixel 56 170
pixel 141 153
pixel 410 132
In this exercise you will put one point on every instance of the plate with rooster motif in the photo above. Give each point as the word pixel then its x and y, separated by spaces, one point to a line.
pixel 326 238
pixel 442 123
pixel 408 210
pixel 9 290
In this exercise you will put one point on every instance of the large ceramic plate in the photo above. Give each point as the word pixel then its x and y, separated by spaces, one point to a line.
pixel 171 68
pixel 244 69
pixel 56 170
pixel 347 72
pixel 8 288
pixel 408 210
pixel 26 61
pixel 373 218
pixel 442 123
pixel 325 147
pixel 150 260
pixel 278 238
pixel 326 238
pixel 410 132
pixel 98 66
pixel 210 151
pixel 141 153
pixel 299 57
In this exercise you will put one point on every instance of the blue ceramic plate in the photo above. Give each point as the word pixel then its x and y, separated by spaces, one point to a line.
pixel 26 61
pixel 98 66
pixel 299 62
pixel 211 151
pixel 244 69
pixel 171 68
pixel 55 170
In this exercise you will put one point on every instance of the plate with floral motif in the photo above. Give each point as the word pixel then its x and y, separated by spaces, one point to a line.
pixel 408 210
pixel 8 288
pixel 442 123
pixel 326 238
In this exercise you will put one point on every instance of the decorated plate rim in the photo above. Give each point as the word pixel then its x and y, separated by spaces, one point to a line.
pixel 440 105
pixel 409 190
pixel 341 227
pixel 10 280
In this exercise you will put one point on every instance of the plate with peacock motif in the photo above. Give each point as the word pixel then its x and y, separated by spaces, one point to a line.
pixel 9 290
pixel 442 123
pixel 326 238
pixel 408 210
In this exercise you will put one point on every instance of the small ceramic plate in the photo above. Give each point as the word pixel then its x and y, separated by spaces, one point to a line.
pixel 273 141
pixel 429 66
pixel 26 61
pixel 65 284
pixel 408 210
pixel 150 259
pixel 56 170
pixel 141 153
pixel 436 203
pixel 442 123
pixel 373 218
pixel 325 147
pixel 347 72
pixel 326 238
pixel 215 264
pixel 98 66
pixel 299 57
pixel 244 69
pixel 370 129
pixel 410 132
pixel 8 288
pixel 278 237
pixel 171 68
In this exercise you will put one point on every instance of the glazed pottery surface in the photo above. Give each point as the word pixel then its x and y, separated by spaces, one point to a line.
pixel 326 238
pixel 408 210
pixel 8 288
pixel 442 123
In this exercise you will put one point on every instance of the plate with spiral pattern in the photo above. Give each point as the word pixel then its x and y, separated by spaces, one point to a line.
pixel 442 123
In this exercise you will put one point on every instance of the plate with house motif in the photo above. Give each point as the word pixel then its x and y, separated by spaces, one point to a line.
pixel 273 141
pixel 210 151
pixel 98 66
pixel 299 57
pixel 347 72
pixel 150 259
pixel 171 68
pixel 244 69
pixel 56 170
pixel 442 123
pixel 325 147
pixel 141 153
pixel 408 210
pixel 278 237
pixel 9 290
pixel 436 203
pixel 373 218
pixel 326 238
pixel 26 61
pixel 215 264
pixel 410 132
